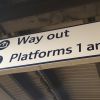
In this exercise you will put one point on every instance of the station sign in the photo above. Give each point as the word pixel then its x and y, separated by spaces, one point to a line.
pixel 64 44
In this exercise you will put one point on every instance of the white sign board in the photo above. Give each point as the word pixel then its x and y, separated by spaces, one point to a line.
pixel 52 46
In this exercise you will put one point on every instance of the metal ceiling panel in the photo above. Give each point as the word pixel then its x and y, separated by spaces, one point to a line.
pixel 81 82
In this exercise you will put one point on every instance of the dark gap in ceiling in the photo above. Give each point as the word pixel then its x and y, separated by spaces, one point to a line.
pixel 98 68
pixel 56 83
pixel 25 81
